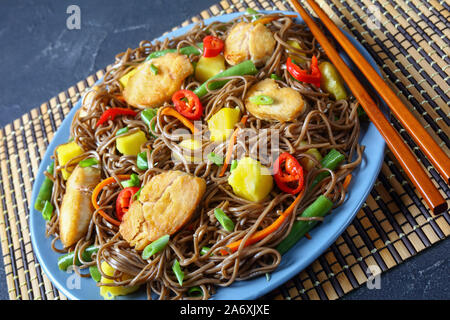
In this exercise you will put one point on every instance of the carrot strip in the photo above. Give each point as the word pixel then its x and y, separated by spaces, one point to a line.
pixel 231 143
pixel 265 20
pixel 174 113
pixel 96 192
pixel 347 181
pixel 269 229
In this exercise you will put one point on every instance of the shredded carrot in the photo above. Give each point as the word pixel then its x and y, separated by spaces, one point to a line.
pixel 174 113
pixel 269 229
pixel 347 181
pixel 269 19
pixel 231 143
pixel 96 192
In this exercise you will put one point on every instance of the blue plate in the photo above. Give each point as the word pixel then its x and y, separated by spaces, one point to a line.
pixel 297 259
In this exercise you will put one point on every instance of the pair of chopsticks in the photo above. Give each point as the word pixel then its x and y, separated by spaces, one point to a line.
pixel 401 151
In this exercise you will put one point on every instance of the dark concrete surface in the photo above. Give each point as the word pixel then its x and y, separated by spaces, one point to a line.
pixel 40 57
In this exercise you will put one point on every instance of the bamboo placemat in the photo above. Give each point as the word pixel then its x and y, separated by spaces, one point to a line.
pixel 411 46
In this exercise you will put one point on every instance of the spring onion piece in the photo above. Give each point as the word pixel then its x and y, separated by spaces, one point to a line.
pixel 275 77
pixel 214 158
pixel 244 68
pixel 65 261
pixel 204 250
pixel 195 292
pixel 137 194
pixel 154 69
pixel 330 161
pixel 255 14
pixel 234 164
pixel 132 182
pixel 147 115
pixel 155 247
pixel 95 274
pixel 141 160
pixel 186 50
pixel 319 208
pixel 45 192
pixel 47 212
pixel 122 131
pixel 261 99
pixel 178 272
pixel 88 162
pixel 224 220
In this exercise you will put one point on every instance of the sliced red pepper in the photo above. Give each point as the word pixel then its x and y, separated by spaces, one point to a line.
pixel 193 109
pixel 112 113
pixel 288 173
pixel 302 75
pixel 124 200
pixel 212 46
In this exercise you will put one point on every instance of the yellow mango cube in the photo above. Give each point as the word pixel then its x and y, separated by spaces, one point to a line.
pixel 222 123
pixel 112 292
pixel 295 44
pixel 209 67
pixel 130 144
pixel 124 79
pixel 251 180
pixel 67 152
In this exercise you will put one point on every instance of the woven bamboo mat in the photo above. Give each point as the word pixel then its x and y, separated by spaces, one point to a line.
pixel 411 46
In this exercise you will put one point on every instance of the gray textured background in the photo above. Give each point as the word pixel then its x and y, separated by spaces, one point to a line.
pixel 40 57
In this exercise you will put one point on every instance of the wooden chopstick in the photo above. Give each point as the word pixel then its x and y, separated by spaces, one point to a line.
pixel 406 158
pixel 426 143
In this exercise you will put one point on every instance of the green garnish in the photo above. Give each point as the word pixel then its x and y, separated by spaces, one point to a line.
pixel 155 247
pixel 217 160
pixel 224 220
pixel 122 131
pixel 154 69
pixel 261 99
pixel 234 164
pixel 132 182
pixel 88 162
pixel 195 292
pixel 141 160
pixel 47 212
pixel 275 77
pixel 178 272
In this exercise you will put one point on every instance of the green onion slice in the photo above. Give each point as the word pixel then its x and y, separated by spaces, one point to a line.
pixel 224 220
pixel 155 247
pixel 141 160
pixel 88 162
pixel 122 131
pixel 195 292
pixel 154 69
pixel 275 76
pixel 261 99
pixel 204 250
pixel 178 272
pixel 234 164
pixel 218 160
pixel 132 182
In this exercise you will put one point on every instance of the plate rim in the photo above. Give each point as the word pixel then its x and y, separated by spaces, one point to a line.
pixel 33 214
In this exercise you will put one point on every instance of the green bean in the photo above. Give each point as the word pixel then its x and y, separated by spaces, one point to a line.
pixel 185 50
pixel 45 192
pixel 319 208
pixel 66 260
pixel 141 161
pixel 224 220
pixel 88 162
pixel 155 247
pixel 330 161
pixel 178 272
pixel 95 274
pixel 122 131
pixel 244 68
pixel 331 81
pixel 47 212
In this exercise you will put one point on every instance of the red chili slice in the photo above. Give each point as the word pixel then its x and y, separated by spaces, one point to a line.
pixel 111 113
pixel 302 75
pixel 212 46
pixel 124 200
pixel 193 109
pixel 288 173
